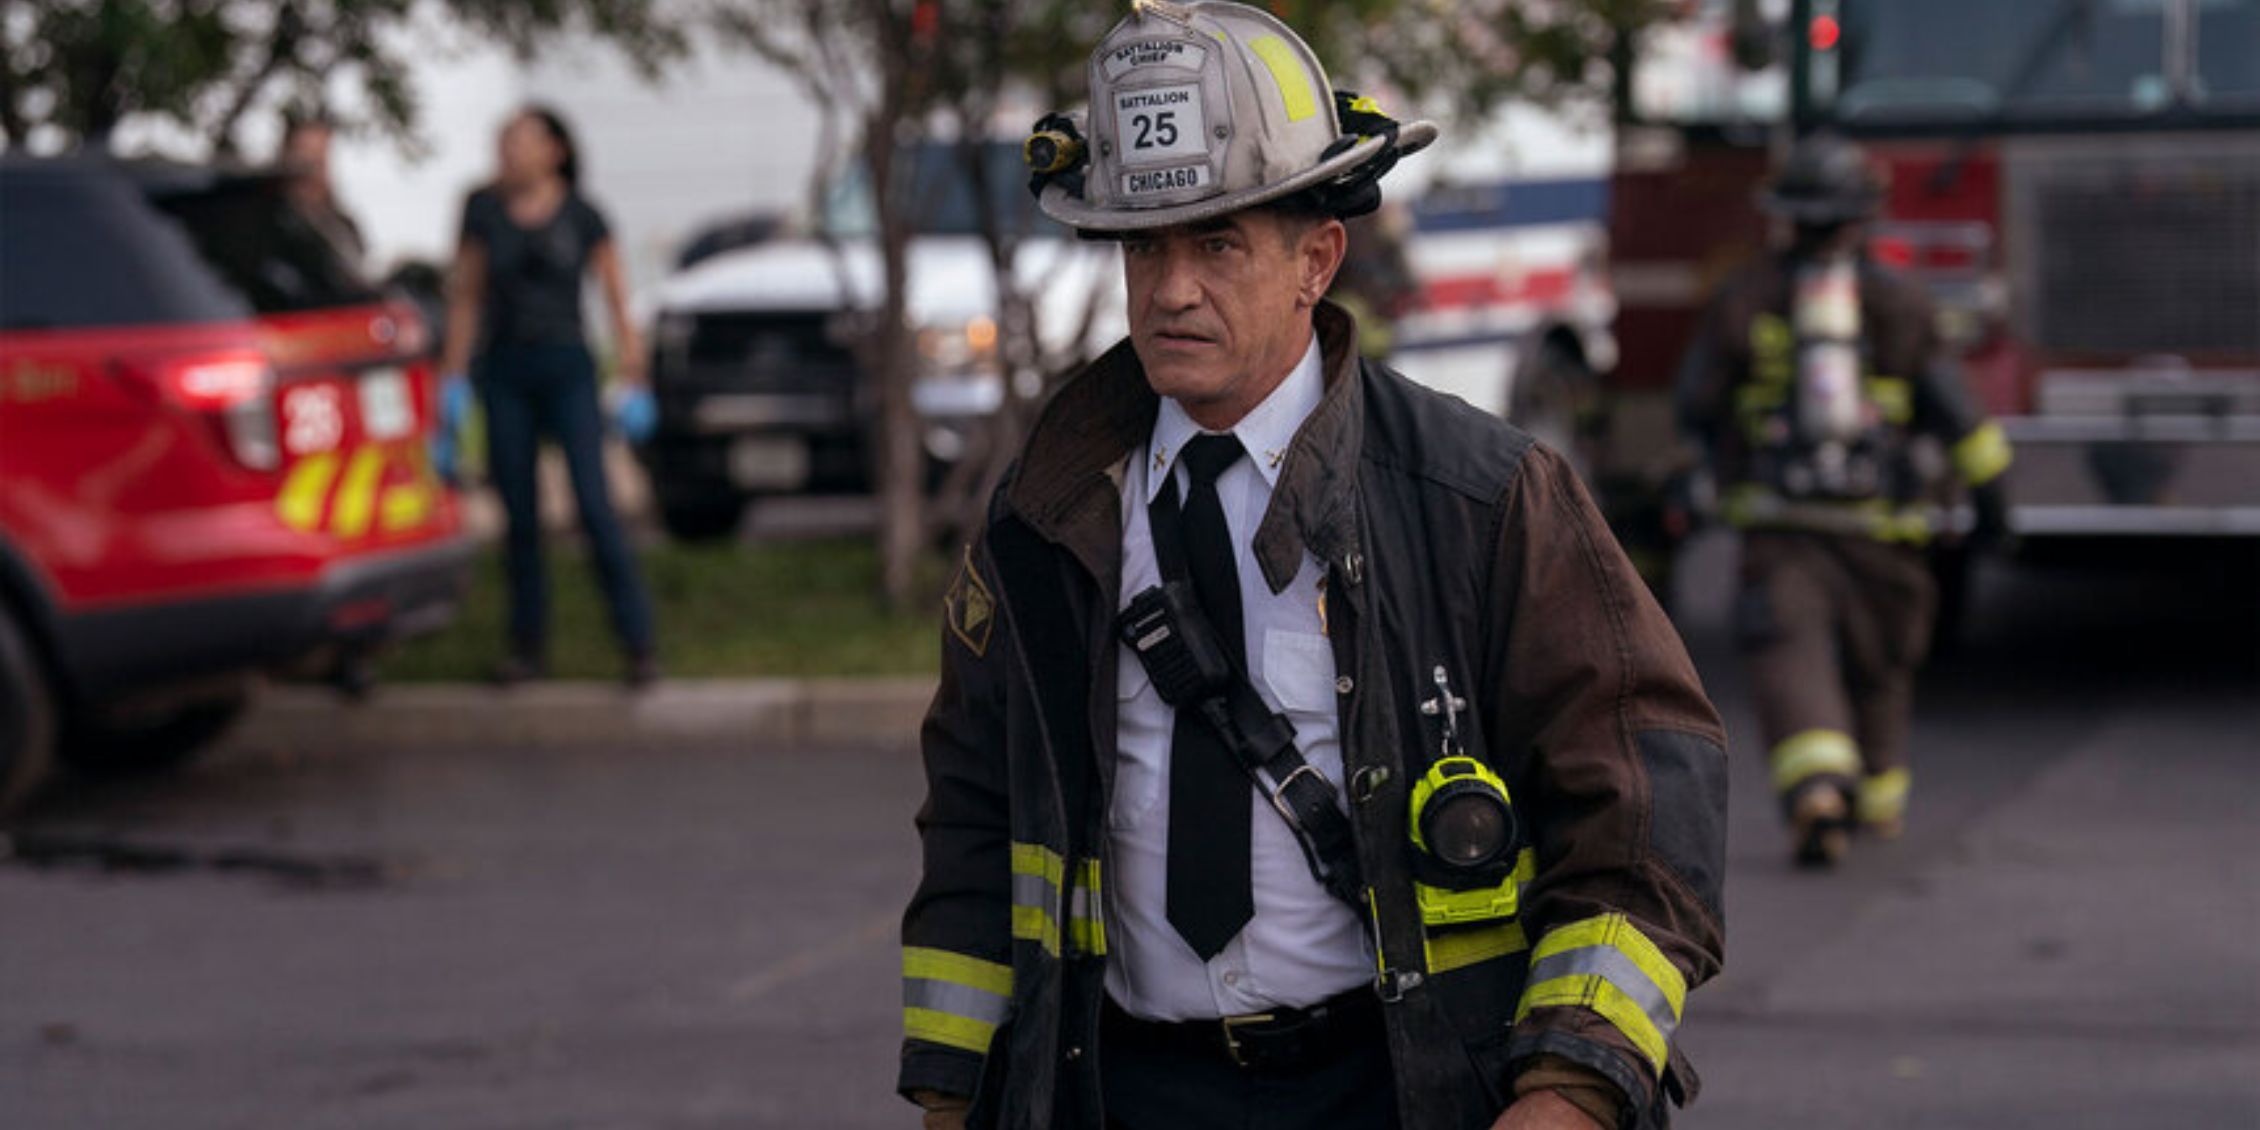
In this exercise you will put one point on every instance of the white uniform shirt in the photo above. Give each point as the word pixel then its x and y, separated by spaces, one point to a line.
pixel 1303 945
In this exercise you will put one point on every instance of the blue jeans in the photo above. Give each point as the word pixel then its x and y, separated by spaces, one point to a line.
pixel 528 390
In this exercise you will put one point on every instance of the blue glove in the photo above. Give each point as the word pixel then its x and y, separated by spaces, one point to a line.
pixel 454 410
pixel 635 413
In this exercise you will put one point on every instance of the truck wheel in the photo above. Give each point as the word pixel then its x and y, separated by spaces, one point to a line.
pixel 27 717
pixel 102 745
pixel 710 518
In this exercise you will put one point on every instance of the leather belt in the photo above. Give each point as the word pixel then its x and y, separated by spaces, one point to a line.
pixel 1280 1040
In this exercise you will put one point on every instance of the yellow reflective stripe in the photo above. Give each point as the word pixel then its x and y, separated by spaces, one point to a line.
pixel 1770 345
pixel 357 493
pixel 1909 526
pixel 920 963
pixel 952 999
pixel 1036 873
pixel 1803 756
pixel 1752 506
pixel 1761 401
pixel 1459 949
pixel 1087 935
pixel 1365 105
pixel 1034 924
pixel 1288 72
pixel 1893 397
pixel 1883 797
pixel 1590 991
pixel 305 491
pixel 1036 859
pixel 1982 455
pixel 1086 911
pixel 1616 932
pixel 962 1032
pixel 1607 965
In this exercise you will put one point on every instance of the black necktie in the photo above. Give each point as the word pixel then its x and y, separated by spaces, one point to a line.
pixel 1209 896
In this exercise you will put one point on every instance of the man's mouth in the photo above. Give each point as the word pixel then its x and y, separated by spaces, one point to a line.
pixel 1182 338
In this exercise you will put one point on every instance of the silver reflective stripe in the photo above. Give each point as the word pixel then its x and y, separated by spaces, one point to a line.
pixel 956 1000
pixel 1618 970
pixel 1036 891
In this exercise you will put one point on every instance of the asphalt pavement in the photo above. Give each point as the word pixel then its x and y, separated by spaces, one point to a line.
pixel 686 933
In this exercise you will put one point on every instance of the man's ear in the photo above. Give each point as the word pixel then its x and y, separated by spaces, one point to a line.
pixel 1319 254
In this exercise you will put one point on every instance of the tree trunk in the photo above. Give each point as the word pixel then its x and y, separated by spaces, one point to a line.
pixel 901 462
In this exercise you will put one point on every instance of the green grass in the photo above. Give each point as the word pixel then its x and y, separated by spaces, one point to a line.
pixel 803 609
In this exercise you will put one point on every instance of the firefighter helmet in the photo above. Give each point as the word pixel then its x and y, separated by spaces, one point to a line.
pixel 1203 108
pixel 1827 180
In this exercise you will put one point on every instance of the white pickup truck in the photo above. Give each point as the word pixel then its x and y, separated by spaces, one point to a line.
pixel 753 359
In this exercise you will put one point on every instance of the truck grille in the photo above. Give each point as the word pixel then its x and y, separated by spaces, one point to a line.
pixel 769 351
pixel 2140 247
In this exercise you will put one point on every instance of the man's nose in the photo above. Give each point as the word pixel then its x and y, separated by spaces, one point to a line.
pixel 1179 287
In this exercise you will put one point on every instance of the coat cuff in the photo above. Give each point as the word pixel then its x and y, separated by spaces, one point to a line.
pixel 1619 1067
pixel 928 1067
pixel 1580 1086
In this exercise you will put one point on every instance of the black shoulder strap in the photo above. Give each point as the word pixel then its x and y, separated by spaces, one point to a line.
pixel 1262 742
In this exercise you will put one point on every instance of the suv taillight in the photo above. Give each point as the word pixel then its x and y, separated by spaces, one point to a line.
pixel 216 384
pixel 234 388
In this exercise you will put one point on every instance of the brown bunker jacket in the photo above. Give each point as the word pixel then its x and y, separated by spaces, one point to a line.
pixel 1448 540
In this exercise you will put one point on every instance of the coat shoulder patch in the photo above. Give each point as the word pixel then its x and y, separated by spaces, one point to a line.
pixel 970 609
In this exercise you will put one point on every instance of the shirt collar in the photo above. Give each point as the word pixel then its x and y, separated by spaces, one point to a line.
pixel 1266 432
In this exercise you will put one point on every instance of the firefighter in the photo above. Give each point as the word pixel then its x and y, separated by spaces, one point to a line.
pixel 1834 421
pixel 1306 752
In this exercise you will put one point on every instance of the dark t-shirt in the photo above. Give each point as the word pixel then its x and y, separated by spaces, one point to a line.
pixel 533 291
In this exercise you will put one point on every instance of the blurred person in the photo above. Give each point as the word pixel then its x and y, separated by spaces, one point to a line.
pixel 529 240
pixel 1398 803
pixel 1377 285
pixel 1811 380
pixel 305 157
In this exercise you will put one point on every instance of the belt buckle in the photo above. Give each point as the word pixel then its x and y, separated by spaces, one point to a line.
pixel 1232 1026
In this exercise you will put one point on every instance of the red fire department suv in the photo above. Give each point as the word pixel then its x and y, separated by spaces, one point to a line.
pixel 212 460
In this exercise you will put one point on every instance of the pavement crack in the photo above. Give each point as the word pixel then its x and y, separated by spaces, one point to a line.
pixel 814 960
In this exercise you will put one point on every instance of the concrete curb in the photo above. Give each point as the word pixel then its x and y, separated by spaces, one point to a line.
pixel 757 712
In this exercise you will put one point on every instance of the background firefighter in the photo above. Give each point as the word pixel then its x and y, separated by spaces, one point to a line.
pixel 1835 426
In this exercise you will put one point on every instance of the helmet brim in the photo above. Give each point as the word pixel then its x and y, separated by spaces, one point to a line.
pixel 1072 210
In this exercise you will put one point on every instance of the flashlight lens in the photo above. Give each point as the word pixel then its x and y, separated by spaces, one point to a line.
pixel 1468 830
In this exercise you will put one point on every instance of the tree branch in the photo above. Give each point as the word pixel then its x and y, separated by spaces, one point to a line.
pixel 282 48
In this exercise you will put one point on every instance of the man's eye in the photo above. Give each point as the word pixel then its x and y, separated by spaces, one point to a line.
pixel 1137 247
pixel 1216 245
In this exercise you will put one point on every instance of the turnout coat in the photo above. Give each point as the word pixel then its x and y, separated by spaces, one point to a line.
pixel 1448 539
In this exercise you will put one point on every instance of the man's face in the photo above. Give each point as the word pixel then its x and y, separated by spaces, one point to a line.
pixel 1219 310
pixel 307 150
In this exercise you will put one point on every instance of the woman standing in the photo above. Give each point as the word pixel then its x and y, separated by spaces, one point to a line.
pixel 514 322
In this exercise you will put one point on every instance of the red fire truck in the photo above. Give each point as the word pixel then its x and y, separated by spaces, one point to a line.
pixel 2078 181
